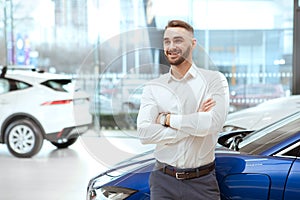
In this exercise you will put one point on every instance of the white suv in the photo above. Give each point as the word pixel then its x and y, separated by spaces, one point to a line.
pixel 35 106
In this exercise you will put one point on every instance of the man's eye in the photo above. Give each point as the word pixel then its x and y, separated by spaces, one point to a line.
pixel 167 42
pixel 177 41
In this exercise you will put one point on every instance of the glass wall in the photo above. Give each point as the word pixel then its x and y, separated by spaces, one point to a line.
pixel 251 42
pixel 113 47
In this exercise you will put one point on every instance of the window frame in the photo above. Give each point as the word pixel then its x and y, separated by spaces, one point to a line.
pixel 296 49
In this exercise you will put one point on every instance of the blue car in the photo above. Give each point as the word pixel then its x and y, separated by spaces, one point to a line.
pixel 259 164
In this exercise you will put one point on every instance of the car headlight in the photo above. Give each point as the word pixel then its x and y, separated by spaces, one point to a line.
pixel 110 193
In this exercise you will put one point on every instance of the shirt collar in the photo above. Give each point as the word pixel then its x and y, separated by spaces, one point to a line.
pixel 191 73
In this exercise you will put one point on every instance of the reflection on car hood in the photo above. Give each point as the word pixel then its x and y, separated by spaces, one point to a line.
pixel 148 156
pixel 264 114
pixel 223 150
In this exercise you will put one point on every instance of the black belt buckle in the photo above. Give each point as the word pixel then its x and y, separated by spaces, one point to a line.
pixel 181 175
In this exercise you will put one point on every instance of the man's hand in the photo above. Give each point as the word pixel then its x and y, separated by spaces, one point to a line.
pixel 167 120
pixel 207 105
pixel 158 118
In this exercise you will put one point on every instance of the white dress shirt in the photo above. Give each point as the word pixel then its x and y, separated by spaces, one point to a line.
pixel 190 140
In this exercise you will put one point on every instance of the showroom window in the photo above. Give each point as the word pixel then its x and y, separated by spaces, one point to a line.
pixel 251 42
pixel 115 46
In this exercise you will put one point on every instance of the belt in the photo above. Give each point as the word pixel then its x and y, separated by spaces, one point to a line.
pixel 184 174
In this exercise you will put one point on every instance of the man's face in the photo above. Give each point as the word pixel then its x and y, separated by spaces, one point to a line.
pixel 178 44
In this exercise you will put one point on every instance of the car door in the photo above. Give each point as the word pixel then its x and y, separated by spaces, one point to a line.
pixel 9 96
pixel 6 98
pixel 292 188
pixel 252 176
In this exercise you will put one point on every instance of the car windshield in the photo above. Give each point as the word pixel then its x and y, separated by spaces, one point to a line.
pixel 261 140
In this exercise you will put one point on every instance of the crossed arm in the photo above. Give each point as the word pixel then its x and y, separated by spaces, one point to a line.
pixel 154 133
pixel 204 107
pixel 208 119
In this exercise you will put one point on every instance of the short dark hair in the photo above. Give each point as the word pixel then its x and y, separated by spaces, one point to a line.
pixel 180 23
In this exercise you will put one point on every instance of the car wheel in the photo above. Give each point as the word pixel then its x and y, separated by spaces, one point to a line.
pixel 23 138
pixel 65 144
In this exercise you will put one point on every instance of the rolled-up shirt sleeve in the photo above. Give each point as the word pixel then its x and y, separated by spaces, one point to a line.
pixel 204 123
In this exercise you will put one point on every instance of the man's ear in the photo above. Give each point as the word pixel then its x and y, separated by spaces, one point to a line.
pixel 194 43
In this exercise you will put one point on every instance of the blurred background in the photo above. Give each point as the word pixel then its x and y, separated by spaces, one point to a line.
pixel 111 48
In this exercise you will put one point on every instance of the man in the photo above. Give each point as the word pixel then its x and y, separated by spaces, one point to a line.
pixel 182 112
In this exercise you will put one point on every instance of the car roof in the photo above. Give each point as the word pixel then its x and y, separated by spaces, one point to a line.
pixel 34 76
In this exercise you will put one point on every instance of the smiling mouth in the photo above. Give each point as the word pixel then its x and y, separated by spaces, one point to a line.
pixel 173 53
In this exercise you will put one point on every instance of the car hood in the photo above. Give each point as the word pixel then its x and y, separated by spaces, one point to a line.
pixel 256 118
pixel 264 114
pixel 141 164
pixel 147 157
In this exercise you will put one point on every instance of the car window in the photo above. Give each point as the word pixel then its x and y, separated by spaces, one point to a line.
pixel 291 151
pixel 22 85
pixel 262 140
pixel 7 85
pixel 4 86
pixel 62 85
pixel 294 152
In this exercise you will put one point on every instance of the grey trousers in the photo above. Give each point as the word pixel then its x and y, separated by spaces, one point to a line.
pixel 164 186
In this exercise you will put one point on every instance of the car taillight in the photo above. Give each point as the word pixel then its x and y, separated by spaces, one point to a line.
pixel 58 102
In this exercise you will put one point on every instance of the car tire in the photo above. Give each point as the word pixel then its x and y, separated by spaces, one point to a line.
pixel 23 138
pixel 65 144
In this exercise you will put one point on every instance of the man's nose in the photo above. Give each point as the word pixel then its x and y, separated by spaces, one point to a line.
pixel 172 45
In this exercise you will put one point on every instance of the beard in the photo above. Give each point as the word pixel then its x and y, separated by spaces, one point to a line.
pixel 180 59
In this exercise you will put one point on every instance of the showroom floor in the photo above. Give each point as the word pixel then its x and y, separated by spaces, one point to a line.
pixel 64 174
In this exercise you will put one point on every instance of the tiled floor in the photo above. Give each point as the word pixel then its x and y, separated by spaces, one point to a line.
pixel 63 174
